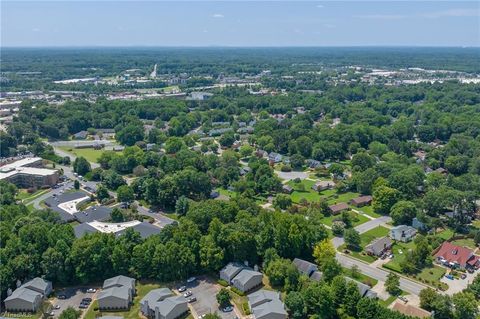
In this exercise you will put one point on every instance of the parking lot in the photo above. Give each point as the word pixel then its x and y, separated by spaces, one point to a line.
pixel 73 299
pixel 205 290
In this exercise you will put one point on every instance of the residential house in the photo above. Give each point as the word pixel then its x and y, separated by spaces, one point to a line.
pixel 454 256
pixel 363 289
pixel 287 189
pixel 410 310
pixel 305 267
pixel 417 224
pixel 379 246
pixel 361 201
pixel 29 296
pixel 338 208
pixel 403 233
pixel 162 303
pixel 274 157
pixel 311 163
pixel 323 185
pixel 80 135
pixel 117 293
pixel 266 304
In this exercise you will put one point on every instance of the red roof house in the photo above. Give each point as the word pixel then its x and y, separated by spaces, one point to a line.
pixel 456 256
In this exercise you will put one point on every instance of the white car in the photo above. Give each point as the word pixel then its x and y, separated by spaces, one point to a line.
pixel 187 294
pixel 182 289
pixel 91 290
pixel 191 279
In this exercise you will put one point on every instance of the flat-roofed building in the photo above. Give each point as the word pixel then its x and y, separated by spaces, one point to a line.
pixel 28 172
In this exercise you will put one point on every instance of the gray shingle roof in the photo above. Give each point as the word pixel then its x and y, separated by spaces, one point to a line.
pixel 167 305
pixel 156 295
pixel 24 294
pixel 303 266
pixel 265 303
pixel 246 275
pixel 37 284
pixel 118 281
pixel 118 292
pixel 232 268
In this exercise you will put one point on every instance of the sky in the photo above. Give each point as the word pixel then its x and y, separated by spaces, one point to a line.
pixel 240 23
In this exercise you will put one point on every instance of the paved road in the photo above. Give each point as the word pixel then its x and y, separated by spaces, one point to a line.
pixel 62 153
pixel 160 219
pixel 363 228
pixel 379 274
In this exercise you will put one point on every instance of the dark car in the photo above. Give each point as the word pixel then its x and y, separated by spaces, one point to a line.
pixel 83 306
pixel 62 297
pixel 87 299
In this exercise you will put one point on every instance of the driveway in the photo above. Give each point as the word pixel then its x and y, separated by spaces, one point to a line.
pixel 160 219
pixel 457 285
pixel 205 290
pixel 74 298
pixel 287 176
pixel 363 228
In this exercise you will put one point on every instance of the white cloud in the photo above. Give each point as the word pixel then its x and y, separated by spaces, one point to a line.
pixel 452 13
pixel 218 15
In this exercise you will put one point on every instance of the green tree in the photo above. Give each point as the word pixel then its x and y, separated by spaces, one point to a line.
pixel 223 298
pixel 466 305
pixel 352 238
pixel 392 284
pixel 282 201
pixel 295 305
pixel 403 212
pixel 117 215
pixel 211 255
pixel 384 198
pixel 182 205
pixel 352 297
pixel 70 313
pixel 76 184
pixel 81 166
pixel 323 252
pixel 125 194
pixel 130 134
pixel 102 193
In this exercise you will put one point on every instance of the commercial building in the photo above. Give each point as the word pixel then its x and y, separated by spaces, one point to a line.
pixel 29 172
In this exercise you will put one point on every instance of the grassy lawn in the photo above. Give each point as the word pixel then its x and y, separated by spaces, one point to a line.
pixel 368 210
pixel 90 154
pixel 360 277
pixel 466 242
pixel 445 234
pixel 344 197
pixel 225 192
pixel 25 196
pixel 399 252
pixel 367 238
pixel 357 219
pixel 133 313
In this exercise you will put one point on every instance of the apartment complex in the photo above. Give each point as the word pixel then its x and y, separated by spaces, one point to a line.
pixel 28 172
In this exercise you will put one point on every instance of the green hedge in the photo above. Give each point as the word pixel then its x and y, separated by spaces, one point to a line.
pixel 222 282
pixel 237 291
pixel 246 308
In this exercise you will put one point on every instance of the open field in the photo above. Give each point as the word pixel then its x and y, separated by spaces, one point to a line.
pixel 90 154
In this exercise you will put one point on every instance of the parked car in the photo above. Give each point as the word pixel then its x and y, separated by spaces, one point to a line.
pixel 193 299
pixel 227 309
pixel 182 289
pixel 187 294
pixel 191 279
pixel 463 276
pixel 449 277
pixel 56 307
pixel 87 300
pixel 91 290
pixel 62 297
pixel 83 306
pixel 470 270
pixel 402 298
